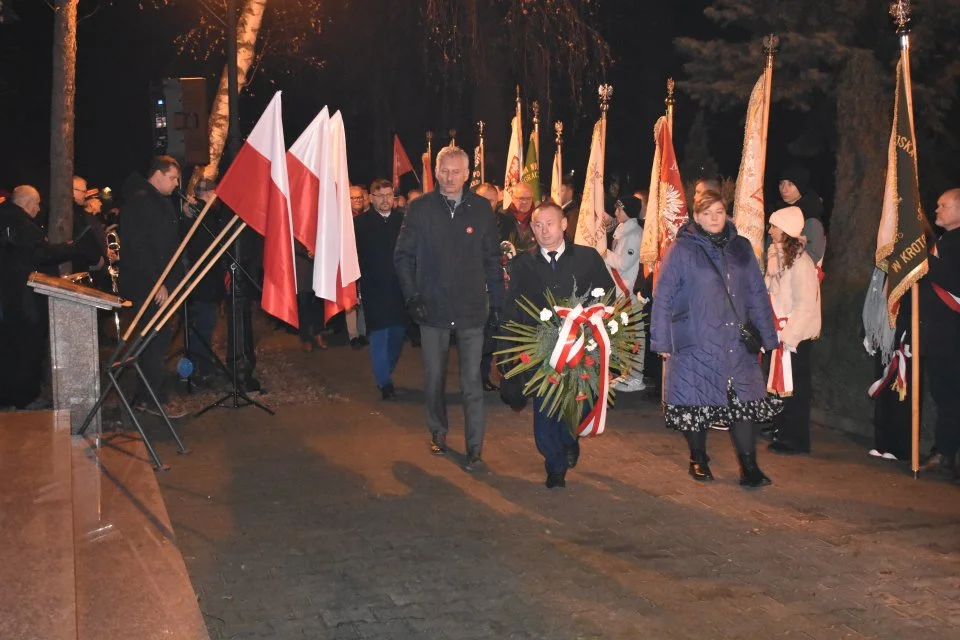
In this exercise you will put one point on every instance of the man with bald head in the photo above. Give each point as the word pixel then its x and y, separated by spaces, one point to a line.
pixel 557 264
pixel 23 329
pixel 940 340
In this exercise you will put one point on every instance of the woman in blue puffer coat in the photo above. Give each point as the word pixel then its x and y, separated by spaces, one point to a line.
pixel 709 284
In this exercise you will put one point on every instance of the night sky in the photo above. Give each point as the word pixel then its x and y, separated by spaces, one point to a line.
pixel 122 48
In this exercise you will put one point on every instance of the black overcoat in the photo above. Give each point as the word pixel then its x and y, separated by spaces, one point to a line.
pixel 383 301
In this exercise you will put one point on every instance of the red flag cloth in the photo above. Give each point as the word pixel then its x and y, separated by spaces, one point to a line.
pixel 401 163
pixel 667 207
pixel 303 166
pixel 257 188
pixel 427 173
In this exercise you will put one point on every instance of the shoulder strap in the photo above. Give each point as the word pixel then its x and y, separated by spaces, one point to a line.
pixel 724 283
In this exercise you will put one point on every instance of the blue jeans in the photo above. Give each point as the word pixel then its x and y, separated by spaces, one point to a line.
pixel 385 346
pixel 553 438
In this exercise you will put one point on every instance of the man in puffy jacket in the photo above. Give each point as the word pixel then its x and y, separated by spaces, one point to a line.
pixel 448 262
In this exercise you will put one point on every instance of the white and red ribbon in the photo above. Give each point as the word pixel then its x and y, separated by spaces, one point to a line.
pixel 570 350
pixel 948 298
pixel 896 374
pixel 780 379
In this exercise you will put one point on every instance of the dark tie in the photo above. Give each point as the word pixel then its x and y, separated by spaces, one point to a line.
pixel 553 259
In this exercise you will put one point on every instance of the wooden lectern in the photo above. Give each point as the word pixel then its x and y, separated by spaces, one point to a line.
pixel 74 344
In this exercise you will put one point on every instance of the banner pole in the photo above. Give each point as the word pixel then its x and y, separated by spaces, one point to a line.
pixel 770 48
pixel 483 160
pixel 670 101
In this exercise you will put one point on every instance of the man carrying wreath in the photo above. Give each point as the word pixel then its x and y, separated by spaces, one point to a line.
pixel 557 265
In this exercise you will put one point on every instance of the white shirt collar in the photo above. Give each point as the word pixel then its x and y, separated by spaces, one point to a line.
pixel 559 250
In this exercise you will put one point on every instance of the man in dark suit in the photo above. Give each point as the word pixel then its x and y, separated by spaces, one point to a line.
pixel 556 264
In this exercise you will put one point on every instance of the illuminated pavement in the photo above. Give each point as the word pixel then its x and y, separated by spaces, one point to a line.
pixel 333 521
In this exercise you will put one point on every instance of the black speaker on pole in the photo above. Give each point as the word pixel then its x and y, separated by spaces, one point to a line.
pixel 179 109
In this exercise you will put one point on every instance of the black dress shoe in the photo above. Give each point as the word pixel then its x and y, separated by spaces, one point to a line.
pixel 438 443
pixel 357 343
pixel 779 446
pixel 556 481
pixel 489 386
pixel 700 467
pixel 387 392
pixel 573 454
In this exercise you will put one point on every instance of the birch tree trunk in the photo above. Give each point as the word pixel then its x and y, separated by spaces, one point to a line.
pixel 248 27
pixel 60 201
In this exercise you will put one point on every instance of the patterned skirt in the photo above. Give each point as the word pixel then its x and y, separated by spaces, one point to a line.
pixel 697 417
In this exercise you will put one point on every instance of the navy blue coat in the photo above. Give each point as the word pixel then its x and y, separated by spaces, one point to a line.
pixel 693 322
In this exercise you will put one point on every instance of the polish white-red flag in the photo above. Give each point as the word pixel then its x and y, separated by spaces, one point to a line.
pixel 335 265
pixel 401 162
pixel 257 189
pixel 303 165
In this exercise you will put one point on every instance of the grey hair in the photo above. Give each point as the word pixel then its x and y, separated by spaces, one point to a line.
pixel 23 194
pixel 453 152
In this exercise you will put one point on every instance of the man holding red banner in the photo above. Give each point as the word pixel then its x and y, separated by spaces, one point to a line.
pixel 940 342
pixel 558 265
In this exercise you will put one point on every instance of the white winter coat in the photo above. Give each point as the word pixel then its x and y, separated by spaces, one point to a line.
pixel 795 294
pixel 624 256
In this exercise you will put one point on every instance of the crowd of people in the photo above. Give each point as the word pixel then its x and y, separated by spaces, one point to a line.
pixel 728 345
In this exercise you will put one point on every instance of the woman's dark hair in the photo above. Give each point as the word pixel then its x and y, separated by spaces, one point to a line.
pixel 792 248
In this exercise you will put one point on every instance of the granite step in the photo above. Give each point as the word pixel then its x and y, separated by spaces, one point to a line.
pixel 131 579
pixel 37 590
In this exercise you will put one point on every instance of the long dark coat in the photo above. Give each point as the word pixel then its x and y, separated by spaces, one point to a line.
pixel 693 321
pixel 383 301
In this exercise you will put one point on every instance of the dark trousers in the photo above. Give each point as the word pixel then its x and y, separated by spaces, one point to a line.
pixel 486 363
pixel 310 323
pixel 943 376
pixel 153 363
pixel 23 343
pixel 793 424
pixel 553 438
pixel 892 418
pixel 203 319
pixel 385 346
pixel 435 346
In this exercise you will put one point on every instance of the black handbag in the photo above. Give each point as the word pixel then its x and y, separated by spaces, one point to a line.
pixel 749 335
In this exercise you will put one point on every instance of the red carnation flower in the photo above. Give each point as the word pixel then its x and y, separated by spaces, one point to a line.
pixel 552 380
pixel 584 376
pixel 581 397
pixel 525 358
pixel 636 347
pixel 589 361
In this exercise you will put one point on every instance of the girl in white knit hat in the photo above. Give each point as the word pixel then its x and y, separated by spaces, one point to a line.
pixel 794 290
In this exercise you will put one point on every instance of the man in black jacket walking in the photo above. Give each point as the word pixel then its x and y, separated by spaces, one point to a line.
pixel 383 303
pixel 448 262
pixel 151 236
pixel 558 265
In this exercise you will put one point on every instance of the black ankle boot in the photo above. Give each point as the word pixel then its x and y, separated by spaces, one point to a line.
pixel 750 474
pixel 699 466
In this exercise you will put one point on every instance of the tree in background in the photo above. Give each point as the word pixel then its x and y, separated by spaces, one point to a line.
pixel 836 68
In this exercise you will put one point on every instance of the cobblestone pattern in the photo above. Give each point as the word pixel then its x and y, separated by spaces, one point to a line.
pixel 333 521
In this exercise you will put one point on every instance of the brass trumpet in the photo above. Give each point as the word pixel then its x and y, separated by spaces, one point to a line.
pixel 113 258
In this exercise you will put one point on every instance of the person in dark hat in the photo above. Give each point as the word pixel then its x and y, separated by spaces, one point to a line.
pixel 795 190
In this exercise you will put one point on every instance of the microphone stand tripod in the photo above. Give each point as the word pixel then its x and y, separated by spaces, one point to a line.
pixel 236 397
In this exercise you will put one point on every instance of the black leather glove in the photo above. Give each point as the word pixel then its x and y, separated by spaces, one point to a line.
pixel 416 308
pixel 511 392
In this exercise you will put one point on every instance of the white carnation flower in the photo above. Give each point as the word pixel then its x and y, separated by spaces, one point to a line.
pixel 545 314
pixel 592 345
pixel 624 318
pixel 598 292
pixel 613 327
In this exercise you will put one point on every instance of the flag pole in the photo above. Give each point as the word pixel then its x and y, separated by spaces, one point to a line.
pixel 483 160
pixel 535 107
pixel 453 137
pixel 519 130
pixel 900 11
pixel 558 155
pixel 605 92
pixel 429 135
pixel 771 45
pixel 670 101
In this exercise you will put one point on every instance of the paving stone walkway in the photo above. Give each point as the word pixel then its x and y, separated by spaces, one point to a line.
pixel 331 520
